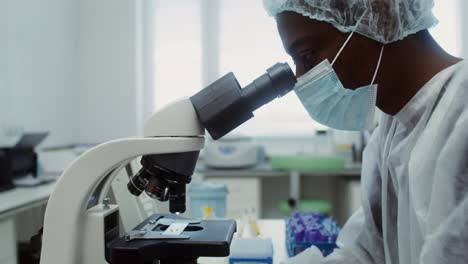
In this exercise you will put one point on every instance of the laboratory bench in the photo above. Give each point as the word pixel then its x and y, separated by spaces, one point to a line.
pixel 260 188
pixel 12 203
pixel 15 201
pixel 19 200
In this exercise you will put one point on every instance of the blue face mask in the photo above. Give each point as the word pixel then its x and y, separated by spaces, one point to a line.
pixel 329 103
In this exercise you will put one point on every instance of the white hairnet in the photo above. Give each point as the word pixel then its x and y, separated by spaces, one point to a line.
pixel 385 20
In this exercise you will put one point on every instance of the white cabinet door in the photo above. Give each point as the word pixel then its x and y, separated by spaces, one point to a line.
pixel 243 193
pixel 353 198
pixel 11 260
pixel 7 241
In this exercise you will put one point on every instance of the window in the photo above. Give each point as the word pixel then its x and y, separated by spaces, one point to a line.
pixel 448 31
pixel 178 50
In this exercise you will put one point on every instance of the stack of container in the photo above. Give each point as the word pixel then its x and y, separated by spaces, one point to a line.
pixel 304 230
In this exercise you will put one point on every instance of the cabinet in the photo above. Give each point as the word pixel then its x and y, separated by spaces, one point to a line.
pixel 244 193
pixel 7 241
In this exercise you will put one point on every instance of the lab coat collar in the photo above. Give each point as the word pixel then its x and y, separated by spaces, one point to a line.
pixel 412 112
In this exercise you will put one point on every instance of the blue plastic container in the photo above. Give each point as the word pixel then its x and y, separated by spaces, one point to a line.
pixel 251 251
pixel 304 230
pixel 207 194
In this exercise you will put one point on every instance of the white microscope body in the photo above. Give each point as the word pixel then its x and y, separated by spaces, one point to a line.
pixel 74 233
pixel 78 223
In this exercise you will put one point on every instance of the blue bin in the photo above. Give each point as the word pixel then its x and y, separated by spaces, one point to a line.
pixel 251 251
pixel 207 194
pixel 304 230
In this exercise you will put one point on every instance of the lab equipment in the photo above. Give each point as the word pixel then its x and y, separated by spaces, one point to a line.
pixel 248 224
pixel 253 223
pixel 233 153
pixel 252 250
pixel 80 223
pixel 173 240
pixel 386 21
pixel 415 168
pixel 208 195
pixel 20 161
pixel 328 102
pixel 6 179
pixel 308 162
pixel 208 213
pixel 56 159
pixel 304 230
pixel 305 205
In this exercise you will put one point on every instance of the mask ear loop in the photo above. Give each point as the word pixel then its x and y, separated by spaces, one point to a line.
pixel 371 118
pixel 349 37
pixel 378 65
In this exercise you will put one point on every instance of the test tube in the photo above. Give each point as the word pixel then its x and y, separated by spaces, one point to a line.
pixel 312 236
pixel 299 234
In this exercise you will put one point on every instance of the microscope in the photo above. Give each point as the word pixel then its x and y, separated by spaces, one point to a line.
pixel 81 226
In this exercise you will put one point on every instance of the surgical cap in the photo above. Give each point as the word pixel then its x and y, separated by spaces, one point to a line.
pixel 383 20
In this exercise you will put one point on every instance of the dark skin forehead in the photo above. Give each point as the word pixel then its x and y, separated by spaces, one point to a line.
pixel 296 30
pixel 309 42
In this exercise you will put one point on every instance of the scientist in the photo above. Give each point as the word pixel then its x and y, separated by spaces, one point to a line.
pixel 415 169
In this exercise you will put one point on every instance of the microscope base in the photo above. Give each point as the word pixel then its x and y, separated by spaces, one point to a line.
pixel 178 261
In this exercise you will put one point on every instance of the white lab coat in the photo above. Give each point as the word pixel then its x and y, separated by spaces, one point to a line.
pixel 414 183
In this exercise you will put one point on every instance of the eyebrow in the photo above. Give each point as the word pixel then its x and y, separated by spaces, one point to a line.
pixel 292 48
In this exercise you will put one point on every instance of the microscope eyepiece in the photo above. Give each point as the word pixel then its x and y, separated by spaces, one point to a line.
pixel 224 105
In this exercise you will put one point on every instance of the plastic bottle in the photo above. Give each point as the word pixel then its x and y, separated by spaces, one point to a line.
pixel 208 213
pixel 255 229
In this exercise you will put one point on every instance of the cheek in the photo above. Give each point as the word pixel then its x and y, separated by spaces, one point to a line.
pixel 301 70
pixel 355 67
pixel 349 71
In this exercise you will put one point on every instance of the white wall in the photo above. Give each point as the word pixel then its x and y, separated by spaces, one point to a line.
pixel 38 54
pixel 111 69
pixel 76 68
pixel 107 70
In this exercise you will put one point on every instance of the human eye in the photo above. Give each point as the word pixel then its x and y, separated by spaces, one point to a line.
pixel 308 57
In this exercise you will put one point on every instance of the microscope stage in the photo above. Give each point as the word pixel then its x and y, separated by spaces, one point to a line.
pixel 210 238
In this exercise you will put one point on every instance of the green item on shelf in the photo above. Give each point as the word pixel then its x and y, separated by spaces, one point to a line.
pixel 320 206
pixel 305 163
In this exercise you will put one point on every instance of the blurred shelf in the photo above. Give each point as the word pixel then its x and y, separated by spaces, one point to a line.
pixel 265 170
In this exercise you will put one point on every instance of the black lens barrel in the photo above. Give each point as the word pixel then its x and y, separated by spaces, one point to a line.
pixel 177 198
pixel 139 182
pixel 224 105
